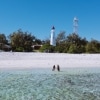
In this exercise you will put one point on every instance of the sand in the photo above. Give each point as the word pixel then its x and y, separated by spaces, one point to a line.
pixel 47 60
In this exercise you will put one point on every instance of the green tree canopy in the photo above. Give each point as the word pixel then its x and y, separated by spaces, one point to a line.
pixel 3 38
pixel 77 44
pixel 21 41
pixel 61 37
pixel 93 46
pixel 3 41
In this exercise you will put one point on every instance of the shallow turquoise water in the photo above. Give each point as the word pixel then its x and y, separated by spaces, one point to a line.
pixel 44 84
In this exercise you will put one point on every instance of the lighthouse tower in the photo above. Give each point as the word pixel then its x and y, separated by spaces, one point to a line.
pixel 52 38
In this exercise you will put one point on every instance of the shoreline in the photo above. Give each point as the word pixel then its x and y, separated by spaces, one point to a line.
pixel 47 60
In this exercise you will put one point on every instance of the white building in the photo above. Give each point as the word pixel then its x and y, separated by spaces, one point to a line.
pixel 52 37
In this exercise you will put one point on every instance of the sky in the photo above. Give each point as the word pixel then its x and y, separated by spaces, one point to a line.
pixel 38 17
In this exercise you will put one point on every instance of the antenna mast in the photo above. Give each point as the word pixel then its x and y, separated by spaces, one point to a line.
pixel 75 25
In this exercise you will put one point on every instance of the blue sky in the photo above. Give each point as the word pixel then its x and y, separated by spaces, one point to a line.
pixel 38 16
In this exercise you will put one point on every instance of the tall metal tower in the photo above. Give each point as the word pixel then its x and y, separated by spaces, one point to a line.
pixel 75 25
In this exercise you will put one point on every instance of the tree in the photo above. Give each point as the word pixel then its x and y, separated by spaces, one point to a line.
pixel 73 49
pixel 61 48
pixel 73 38
pixel 61 37
pixel 37 41
pixel 3 40
pixel 77 44
pixel 60 41
pixel 93 47
pixel 21 41
pixel 47 48
pixel 46 41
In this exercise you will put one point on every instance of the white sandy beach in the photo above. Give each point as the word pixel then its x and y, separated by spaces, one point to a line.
pixel 47 60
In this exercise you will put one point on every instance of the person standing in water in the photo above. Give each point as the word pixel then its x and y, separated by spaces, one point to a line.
pixel 53 68
pixel 58 67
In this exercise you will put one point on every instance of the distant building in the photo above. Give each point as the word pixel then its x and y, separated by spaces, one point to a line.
pixel 5 47
pixel 52 37
pixel 36 47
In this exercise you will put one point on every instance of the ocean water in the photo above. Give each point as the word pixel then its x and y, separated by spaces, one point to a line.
pixel 45 84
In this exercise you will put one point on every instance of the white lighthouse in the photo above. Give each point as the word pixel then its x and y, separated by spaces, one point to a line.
pixel 52 38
